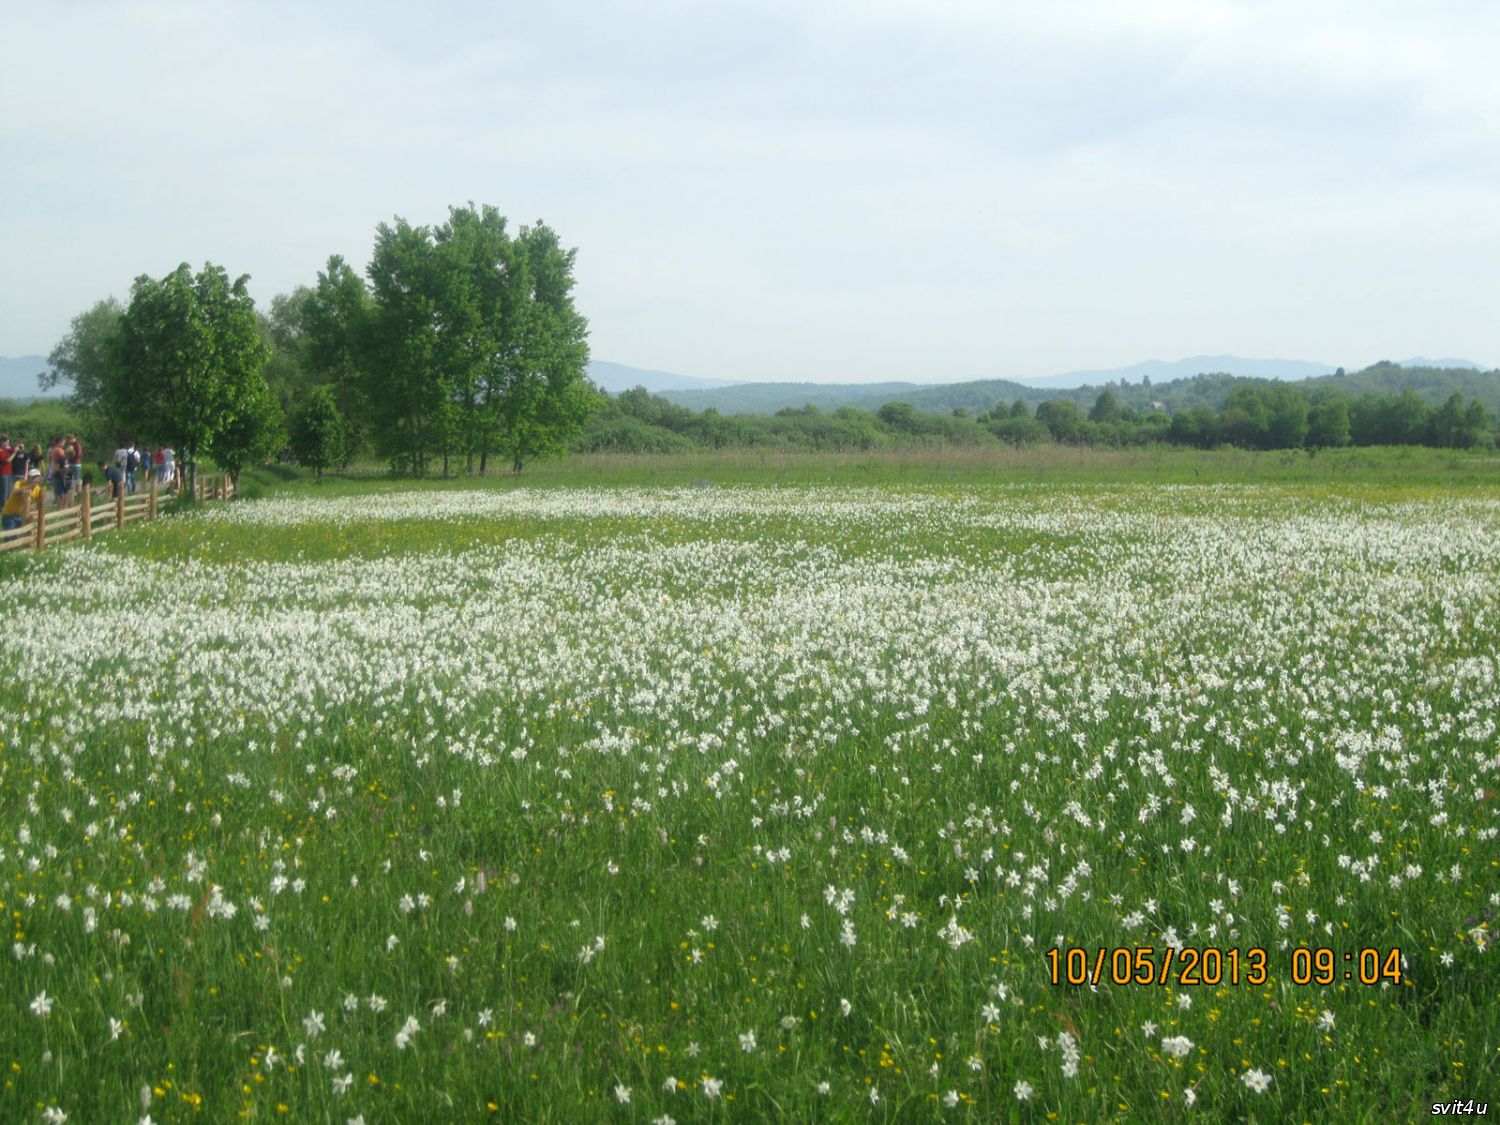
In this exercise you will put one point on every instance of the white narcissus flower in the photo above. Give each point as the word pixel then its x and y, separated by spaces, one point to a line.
pixel 1257 1080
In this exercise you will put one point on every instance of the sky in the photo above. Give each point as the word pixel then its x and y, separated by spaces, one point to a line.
pixel 849 190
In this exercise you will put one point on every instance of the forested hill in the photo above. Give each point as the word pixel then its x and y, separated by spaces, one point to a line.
pixel 1433 384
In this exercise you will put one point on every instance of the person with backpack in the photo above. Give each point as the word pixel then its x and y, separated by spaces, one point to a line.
pixel 132 466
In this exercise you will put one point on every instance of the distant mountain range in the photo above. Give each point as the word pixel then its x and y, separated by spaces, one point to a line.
pixel 616 377
pixel 1177 384
pixel 1080 386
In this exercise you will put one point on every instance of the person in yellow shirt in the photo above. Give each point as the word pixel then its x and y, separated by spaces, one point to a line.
pixel 22 502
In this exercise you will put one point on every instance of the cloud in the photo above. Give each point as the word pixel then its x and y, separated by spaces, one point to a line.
pixel 791 190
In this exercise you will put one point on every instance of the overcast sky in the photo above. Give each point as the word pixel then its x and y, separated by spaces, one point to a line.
pixel 860 190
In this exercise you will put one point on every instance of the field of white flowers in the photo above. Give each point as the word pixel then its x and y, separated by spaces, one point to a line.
pixel 754 804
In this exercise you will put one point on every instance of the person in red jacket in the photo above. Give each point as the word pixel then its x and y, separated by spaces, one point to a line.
pixel 7 451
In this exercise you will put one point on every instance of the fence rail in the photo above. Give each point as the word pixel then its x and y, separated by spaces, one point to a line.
pixel 94 514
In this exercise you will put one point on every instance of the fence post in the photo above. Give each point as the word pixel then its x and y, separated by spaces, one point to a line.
pixel 85 509
pixel 119 507
pixel 151 506
pixel 41 521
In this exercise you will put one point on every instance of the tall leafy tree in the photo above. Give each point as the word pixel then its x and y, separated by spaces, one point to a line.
pixel 83 358
pixel 406 399
pixel 317 431
pixel 254 430
pixel 547 396
pixel 1328 422
pixel 187 363
pixel 283 329
pixel 481 306
pixel 1106 407
pixel 476 346
pixel 336 321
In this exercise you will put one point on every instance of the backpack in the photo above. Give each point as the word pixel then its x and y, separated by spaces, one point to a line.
pixel 132 460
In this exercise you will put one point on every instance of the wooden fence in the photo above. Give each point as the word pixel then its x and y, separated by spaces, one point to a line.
pixel 96 512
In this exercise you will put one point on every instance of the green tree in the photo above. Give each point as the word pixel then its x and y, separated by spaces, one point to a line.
pixel 475 344
pixel 187 364
pixel 546 396
pixel 1063 419
pixel 405 399
pixel 84 357
pixel 1328 422
pixel 336 319
pixel 283 330
pixel 1106 407
pixel 317 431
pixel 252 432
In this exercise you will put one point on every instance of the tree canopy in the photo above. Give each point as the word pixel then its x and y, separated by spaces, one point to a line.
pixel 187 365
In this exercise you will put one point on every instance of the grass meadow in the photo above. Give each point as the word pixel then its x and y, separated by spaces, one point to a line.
pixel 759 788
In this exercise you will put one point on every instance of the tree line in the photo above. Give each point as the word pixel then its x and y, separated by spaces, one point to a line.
pixel 1263 415
pixel 460 345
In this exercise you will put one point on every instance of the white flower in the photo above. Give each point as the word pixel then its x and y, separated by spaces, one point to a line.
pixel 747 1041
pixel 1325 1021
pixel 1022 1090
pixel 950 1099
pixel 1178 1046
pixel 845 1007
pixel 53 1116
pixel 711 1087
pixel 116 1028
pixel 41 1004
pixel 1257 1080
pixel 622 1094
pixel 823 1088
pixel 312 1024
pixel 1190 1095
pixel 670 1085
pixel 709 923
pixel 408 1030
pixel 342 1082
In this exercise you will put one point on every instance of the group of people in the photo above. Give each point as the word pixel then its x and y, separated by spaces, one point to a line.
pixel 25 472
